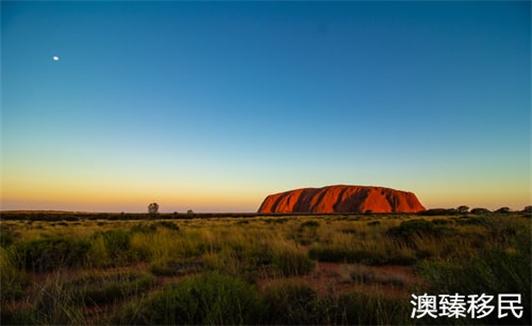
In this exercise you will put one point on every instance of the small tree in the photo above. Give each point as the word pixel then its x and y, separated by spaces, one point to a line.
pixel 527 210
pixel 503 210
pixel 462 209
pixel 480 211
pixel 190 212
pixel 153 209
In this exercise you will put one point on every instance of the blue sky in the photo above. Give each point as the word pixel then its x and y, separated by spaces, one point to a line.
pixel 212 106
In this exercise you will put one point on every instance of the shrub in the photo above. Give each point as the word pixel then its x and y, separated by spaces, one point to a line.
pixel 476 220
pixel 12 315
pixel 143 228
pixel 278 220
pixel 117 244
pixel 310 224
pixel 173 267
pixel 364 275
pixel 366 309
pixel 332 253
pixel 408 229
pixel 51 253
pixel 7 236
pixel 480 211
pixel 349 231
pixel 98 254
pixel 291 303
pixel 167 225
pixel 107 288
pixel 345 254
pixel 492 272
pixel 441 221
pixel 116 241
pixel 439 211
pixel 291 261
pixel 12 281
pixel 55 304
pixel 503 210
pixel 209 298
pixel 462 209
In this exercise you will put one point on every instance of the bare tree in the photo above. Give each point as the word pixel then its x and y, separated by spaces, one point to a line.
pixel 153 208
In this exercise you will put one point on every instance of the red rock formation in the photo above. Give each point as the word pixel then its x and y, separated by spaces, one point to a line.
pixel 342 199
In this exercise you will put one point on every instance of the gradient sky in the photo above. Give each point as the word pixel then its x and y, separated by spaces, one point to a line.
pixel 212 106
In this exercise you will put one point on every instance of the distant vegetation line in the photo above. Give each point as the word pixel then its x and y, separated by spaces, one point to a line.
pixel 74 216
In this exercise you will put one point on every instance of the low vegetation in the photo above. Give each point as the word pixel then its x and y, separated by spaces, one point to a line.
pixel 257 270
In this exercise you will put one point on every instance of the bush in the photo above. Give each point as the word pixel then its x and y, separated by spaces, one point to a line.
pixel 291 303
pixel 295 303
pixel 476 220
pixel 310 224
pixel 209 298
pixel 7 236
pixel 143 228
pixel 439 211
pixel 344 254
pixel 117 245
pixel 102 289
pixel 480 211
pixel 12 315
pixel 408 229
pixel 52 253
pixel 328 253
pixel 167 225
pixel 441 221
pixel 503 210
pixel 116 241
pixel 366 309
pixel 492 272
pixel 462 209
pixel 55 304
pixel 290 261
pixel 365 275
pixel 12 281
pixel 173 267
pixel 278 220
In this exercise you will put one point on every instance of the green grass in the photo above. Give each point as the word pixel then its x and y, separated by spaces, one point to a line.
pixel 51 253
pixel 13 282
pixel 290 261
pixel 291 303
pixel 207 299
pixel 175 267
pixel 107 288
pixel 277 270
pixel 367 309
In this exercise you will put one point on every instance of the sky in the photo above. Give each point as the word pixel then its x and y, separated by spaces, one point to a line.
pixel 213 106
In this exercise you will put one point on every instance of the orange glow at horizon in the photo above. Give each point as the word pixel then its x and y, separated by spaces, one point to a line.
pixel 135 197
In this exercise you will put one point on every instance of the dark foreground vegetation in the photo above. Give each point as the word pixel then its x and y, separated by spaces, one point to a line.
pixel 258 270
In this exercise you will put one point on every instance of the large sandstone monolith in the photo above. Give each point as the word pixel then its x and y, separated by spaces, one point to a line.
pixel 342 199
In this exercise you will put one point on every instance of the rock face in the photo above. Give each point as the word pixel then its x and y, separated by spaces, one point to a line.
pixel 342 199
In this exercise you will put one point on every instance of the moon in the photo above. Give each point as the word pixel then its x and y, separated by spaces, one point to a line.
pixel 55 58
